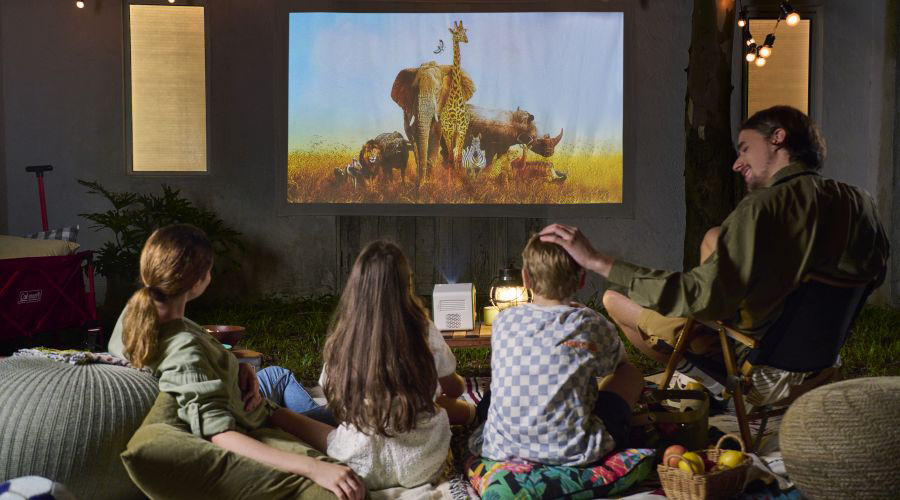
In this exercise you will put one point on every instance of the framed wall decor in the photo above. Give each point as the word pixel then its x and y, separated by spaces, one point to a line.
pixel 476 108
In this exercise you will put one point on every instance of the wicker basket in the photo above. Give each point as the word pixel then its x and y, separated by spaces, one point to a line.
pixel 724 483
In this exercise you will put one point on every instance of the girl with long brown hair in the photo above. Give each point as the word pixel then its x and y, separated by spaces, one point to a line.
pixel 385 365
pixel 214 398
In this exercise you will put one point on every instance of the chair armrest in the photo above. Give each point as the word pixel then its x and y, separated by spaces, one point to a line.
pixel 738 336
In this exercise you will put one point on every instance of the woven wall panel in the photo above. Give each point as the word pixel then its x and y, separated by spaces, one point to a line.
pixel 785 77
pixel 168 88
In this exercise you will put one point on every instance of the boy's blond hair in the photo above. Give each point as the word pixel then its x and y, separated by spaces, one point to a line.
pixel 553 273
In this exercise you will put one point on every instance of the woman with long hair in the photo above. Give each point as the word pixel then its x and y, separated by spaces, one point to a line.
pixel 385 366
pixel 199 372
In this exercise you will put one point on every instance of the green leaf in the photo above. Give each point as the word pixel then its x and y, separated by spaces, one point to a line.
pixel 134 217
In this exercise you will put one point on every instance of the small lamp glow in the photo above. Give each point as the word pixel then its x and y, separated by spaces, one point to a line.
pixel 171 1
pixel 507 289
pixel 751 56
pixel 750 41
pixel 790 15
pixel 765 51
pixel 760 61
pixel 742 18
pixel 79 4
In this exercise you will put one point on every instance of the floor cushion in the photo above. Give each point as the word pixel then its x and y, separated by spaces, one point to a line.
pixel 167 461
pixel 842 440
pixel 69 423
pixel 616 473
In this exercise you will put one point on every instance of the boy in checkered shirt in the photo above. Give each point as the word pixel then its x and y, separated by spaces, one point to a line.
pixel 544 405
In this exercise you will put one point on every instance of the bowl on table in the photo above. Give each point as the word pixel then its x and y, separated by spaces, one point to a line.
pixel 226 334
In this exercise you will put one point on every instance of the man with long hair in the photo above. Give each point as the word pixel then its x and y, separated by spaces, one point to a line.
pixel 792 222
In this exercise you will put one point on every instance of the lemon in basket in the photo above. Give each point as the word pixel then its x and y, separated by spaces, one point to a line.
pixel 730 459
pixel 692 463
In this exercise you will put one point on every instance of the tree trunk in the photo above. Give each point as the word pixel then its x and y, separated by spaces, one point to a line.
pixel 710 188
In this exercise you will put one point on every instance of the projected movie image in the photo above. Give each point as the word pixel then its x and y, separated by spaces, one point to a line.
pixel 464 108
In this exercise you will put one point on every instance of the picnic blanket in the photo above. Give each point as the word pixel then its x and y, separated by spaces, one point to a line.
pixel 768 463
pixel 78 357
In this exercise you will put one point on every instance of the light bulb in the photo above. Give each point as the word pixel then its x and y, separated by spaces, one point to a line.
pixel 750 41
pixel 742 22
pixel 750 57
pixel 79 4
pixel 792 19
pixel 760 61
pixel 171 1
pixel 765 51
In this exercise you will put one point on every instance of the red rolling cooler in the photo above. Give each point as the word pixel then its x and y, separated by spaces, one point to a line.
pixel 45 294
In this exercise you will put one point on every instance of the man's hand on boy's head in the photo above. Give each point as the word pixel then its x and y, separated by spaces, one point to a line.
pixel 578 246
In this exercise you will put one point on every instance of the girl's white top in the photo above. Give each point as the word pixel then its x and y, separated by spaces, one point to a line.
pixel 409 459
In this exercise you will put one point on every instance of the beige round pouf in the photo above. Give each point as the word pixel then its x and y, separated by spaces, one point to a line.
pixel 69 423
pixel 842 440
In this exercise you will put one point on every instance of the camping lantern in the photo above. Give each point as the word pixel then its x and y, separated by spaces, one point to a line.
pixel 507 289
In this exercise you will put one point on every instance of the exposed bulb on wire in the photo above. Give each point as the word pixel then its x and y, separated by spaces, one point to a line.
pixel 171 1
pixel 751 56
pixel 79 4
pixel 750 42
pixel 742 18
pixel 765 51
pixel 760 61
pixel 792 19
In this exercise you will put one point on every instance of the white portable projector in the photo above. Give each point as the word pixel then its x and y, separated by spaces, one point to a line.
pixel 454 306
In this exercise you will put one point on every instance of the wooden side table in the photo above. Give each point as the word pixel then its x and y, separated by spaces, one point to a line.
pixel 480 336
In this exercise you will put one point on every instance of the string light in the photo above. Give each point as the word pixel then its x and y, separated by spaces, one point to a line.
pixel 790 15
pixel 758 53
pixel 79 4
pixel 766 49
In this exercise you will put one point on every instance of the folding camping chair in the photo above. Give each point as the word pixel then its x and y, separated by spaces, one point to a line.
pixel 807 337
pixel 43 294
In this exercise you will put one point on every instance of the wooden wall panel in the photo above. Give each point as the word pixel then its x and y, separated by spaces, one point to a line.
pixel 461 249
pixel 425 253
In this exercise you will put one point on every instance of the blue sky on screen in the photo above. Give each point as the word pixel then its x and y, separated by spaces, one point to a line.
pixel 565 68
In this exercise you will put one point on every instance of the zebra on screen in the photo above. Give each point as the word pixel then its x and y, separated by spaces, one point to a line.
pixel 473 159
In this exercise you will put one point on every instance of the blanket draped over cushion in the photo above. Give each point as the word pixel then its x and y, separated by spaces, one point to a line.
pixel 69 423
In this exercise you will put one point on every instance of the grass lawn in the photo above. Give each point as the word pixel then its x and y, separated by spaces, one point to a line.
pixel 291 333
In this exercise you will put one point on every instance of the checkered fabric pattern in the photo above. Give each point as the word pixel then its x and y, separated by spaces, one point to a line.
pixel 544 364
pixel 69 233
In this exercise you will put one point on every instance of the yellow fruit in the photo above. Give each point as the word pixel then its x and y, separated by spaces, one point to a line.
pixel 730 458
pixel 692 463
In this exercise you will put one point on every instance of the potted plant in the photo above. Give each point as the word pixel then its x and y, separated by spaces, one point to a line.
pixel 132 218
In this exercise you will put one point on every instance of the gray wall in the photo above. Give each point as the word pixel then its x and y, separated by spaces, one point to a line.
pixel 62 84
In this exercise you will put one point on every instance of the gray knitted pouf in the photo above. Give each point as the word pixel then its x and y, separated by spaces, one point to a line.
pixel 70 423
pixel 842 440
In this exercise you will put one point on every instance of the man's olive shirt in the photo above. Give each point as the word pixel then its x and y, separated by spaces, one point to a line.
pixel 799 223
